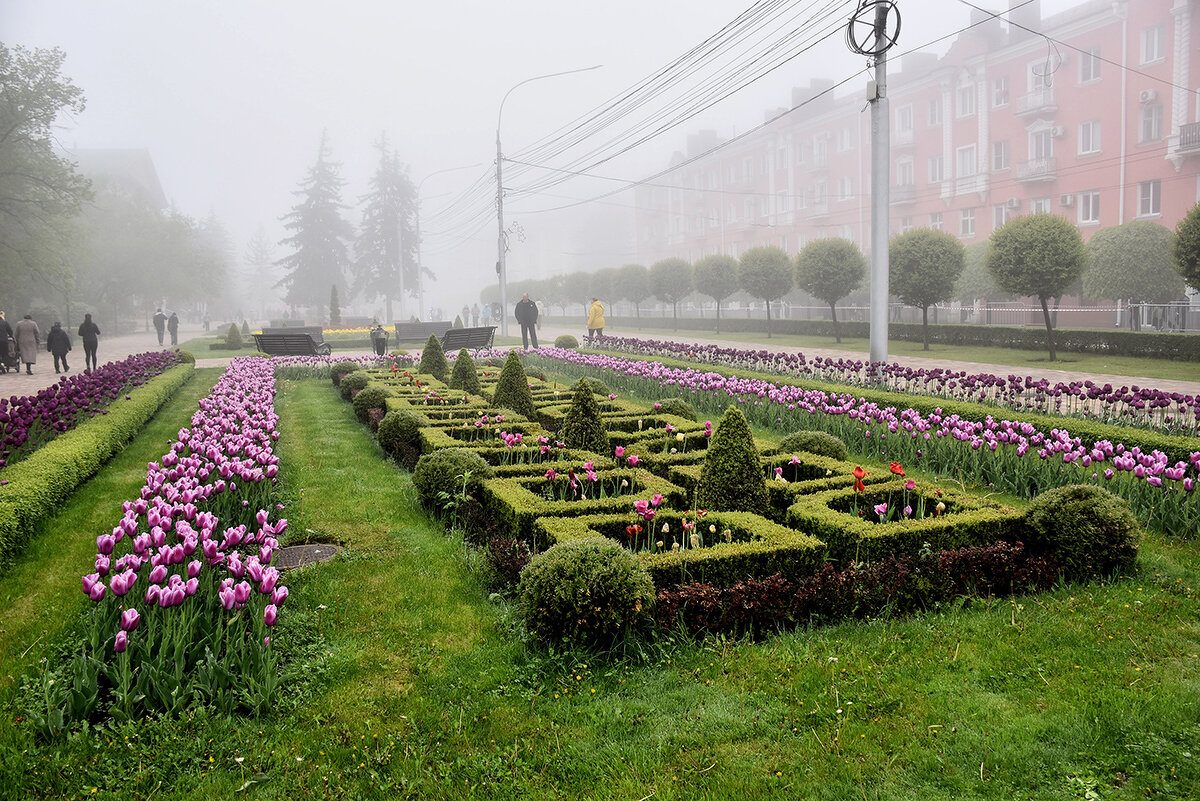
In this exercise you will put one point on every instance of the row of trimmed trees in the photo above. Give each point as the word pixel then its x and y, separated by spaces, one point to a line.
pixel 1039 255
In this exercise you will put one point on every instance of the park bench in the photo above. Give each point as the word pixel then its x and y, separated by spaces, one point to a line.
pixel 419 332
pixel 290 344
pixel 315 331
pixel 469 338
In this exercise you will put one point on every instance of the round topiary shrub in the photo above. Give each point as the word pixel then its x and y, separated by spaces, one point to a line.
pixel 341 370
pixel 433 360
pixel 566 342
pixel 583 427
pixel 598 387
pixel 678 407
pixel 732 477
pixel 1090 530
pixel 233 338
pixel 817 442
pixel 186 356
pixel 400 435
pixel 464 376
pixel 371 397
pixel 512 388
pixel 442 472
pixel 354 383
pixel 587 592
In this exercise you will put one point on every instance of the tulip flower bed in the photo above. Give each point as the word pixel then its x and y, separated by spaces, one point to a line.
pixel 1013 456
pixel 30 421
pixel 1142 407
pixel 185 594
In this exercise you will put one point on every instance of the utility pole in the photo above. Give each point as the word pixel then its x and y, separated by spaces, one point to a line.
pixel 872 31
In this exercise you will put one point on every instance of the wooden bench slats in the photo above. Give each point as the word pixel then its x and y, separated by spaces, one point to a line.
pixel 292 344
pixel 469 338
pixel 419 332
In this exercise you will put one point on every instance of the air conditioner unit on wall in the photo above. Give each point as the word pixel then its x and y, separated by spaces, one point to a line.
pixel 1014 203
pixel 1147 96
pixel 1066 200
pixel 1058 131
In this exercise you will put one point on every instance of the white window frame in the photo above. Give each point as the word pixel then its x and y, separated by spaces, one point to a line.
pixel 1001 155
pixel 1039 205
pixel 935 111
pixel 1149 198
pixel 967 156
pixel 937 169
pixel 906 224
pixel 935 220
pixel 1089 137
pixel 905 174
pixel 1000 92
pixel 1000 214
pixel 964 100
pixel 1089 207
pixel 1153 44
pixel 1089 65
pixel 1150 127
pixel 966 222
pixel 904 119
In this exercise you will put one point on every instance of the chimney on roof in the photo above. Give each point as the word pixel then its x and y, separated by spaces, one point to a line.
pixel 1024 15
pixel 812 94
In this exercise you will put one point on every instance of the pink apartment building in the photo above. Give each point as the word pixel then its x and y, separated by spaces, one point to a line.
pixel 1092 114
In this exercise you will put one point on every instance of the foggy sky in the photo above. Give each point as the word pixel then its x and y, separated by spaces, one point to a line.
pixel 230 98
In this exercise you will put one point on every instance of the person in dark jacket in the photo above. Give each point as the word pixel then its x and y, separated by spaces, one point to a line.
pixel 160 324
pixel 379 338
pixel 173 327
pixel 527 314
pixel 59 344
pixel 7 345
pixel 89 333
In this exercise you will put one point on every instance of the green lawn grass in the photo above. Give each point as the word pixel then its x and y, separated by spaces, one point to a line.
pixel 1008 357
pixel 408 682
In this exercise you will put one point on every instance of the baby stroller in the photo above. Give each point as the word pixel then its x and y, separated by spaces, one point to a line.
pixel 9 358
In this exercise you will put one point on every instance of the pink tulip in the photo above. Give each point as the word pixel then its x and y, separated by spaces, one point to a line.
pixel 130 619
pixel 241 592
pixel 227 598
pixel 279 595
pixel 193 568
pixel 270 614
pixel 105 543
pixel 121 642
pixel 97 591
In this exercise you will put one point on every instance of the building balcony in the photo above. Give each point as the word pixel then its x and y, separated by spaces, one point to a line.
pixel 903 138
pixel 1037 102
pixel 1038 170
pixel 818 209
pixel 902 194
pixel 1187 142
pixel 977 183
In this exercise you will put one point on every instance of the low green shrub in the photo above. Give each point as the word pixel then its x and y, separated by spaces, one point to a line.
pixel 445 478
pixel 400 435
pixel 1091 531
pixel 597 386
pixel 354 383
pixel 588 592
pixel 342 369
pixel 186 356
pixel 566 342
pixel 371 397
pixel 676 406
pixel 818 442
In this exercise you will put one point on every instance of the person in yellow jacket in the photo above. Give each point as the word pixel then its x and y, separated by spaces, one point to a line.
pixel 595 319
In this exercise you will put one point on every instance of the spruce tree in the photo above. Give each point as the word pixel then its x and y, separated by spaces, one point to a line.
pixel 433 360
pixel 464 376
pixel 385 252
pixel 335 308
pixel 732 476
pixel 583 428
pixel 512 388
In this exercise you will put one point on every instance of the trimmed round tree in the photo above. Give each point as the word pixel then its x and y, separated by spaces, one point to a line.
pixel 671 281
pixel 923 266
pixel 512 388
pixel 765 273
pixel 463 376
pixel 433 360
pixel 976 283
pixel 717 277
pixel 830 269
pixel 1134 261
pixel 1187 247
pixel 582 426
pixel 1039 255
pixel 633 282
pixel 732 476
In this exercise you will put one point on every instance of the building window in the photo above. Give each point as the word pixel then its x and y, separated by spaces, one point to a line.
pixel 1089 208
pixel 904 120
pixel 1089 136
pixel 966 101
pixel 732 214
pixel 763 206
pixel 1000 215
pixel 935 111
pixel 966 162
pixel 747 169
pixel 1089 65
pixel 1149 198
pixel 1041 144
pixel 906 224
pixel 1150 123
pixel 1154 45
pixel 935 221
pixel 844 142
pixel 766 164
pixel 820 151
pixel 748 210
pixel 781 159
pixel 1000 92
pixel 1000 156
pixel 1041 75
pixel 1040 205
pixel 845 188
pixel 820 193
pixel 781 202
pixel 935 170
pixel 732 173
pixel 966 222
pixel 904 172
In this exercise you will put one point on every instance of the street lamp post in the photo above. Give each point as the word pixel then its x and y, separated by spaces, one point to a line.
pixel 417 226
pixel 501 266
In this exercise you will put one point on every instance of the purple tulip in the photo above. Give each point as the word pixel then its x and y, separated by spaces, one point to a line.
pixel 105 543
pixel 228 600
pixel 270 614
pixel 190 586
pixel 152 593
pixel 270 577
pixel 241 592
pixel 96 593
pixel 130 619
pixel 193 568
pixel 89 581
pixel 158 575
pixel 121 642
pixel 279 595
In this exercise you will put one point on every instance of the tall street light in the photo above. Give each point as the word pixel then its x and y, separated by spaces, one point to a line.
pixel 501 266
pixel 417 205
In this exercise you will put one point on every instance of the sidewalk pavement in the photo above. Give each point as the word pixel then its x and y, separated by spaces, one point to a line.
pixel 547 334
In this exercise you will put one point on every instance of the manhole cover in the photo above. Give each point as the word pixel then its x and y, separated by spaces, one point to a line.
pixel 301 555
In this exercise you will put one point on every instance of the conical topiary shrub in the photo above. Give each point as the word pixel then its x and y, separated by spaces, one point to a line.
pixel 582 427
pixel 463 376
pixel 732 477
pixel 512 388
pixel 433 360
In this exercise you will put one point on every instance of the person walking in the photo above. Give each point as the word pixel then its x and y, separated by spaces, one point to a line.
pixel 466 315
pixel 7 346
pixel 527 315
pixel 89 334
pixel 595 321
pixel 160 324
pixel 58 342
pixel 474 315
pixel 487 314
pixel 173 327
pixel 28 339
pixel 379 338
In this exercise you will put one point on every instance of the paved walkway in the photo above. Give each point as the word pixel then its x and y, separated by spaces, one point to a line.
pixel 547 334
